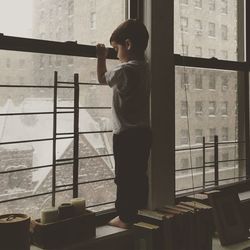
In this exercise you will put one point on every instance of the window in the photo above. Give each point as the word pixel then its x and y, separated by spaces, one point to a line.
pixel 224 82
pixel 198 3
pixel 184 109
pixel 225 157
pixel 185 163
pixel 184 80
pixel 93 77
pixel 70 8
pixel 184 139
pixel 184 50
pixel 212 108
pixel 92 4
pixel 224 106
pixel 198 136
pixel 198 108
pixel 212 5
pixel 224 32
pixel 224 54
pixel 93 20
pixel 198 51
pixel 198 26
pixel 224 8
pixel 55 20
pixel 199 163
pixel 211 52
pixel 211 29
pixel 184 23
pixel 224 134
pixel 212 81
pixel 198 81
pixel 212 133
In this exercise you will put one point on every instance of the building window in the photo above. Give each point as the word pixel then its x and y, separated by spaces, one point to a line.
pixel 70 8
pixel 93 20
pixel 224 54
pixel 184 80
pixel 212 5
pixel 184 108
pixel 198 108
pixel 212 81
pixel 224 106
pixel 224 83
pixel 224 32
pixel 225 157
pixel 184 137
pixel 42 61
pixel 185 2
pixel 224 134
pixel 198 27
pixel 184 163
pixel 92 4
pixel 198 136
pixel 199 163
pixel 184 49
pixel 58 61
pixel 184 23
pixel 198 81
pixel 70 61
pixel 198 51
pixel 211 29
pixel 212 108
pixel 93 77
pixel 211 52
pixel 224 8
pixel 198 3
pixel 212 133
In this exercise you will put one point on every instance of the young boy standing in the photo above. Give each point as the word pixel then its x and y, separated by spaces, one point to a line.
pixel 130 109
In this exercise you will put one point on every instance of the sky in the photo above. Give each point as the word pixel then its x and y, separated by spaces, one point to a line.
pixel 16 17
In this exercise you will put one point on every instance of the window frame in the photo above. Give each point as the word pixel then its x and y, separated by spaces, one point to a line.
pixel 31 45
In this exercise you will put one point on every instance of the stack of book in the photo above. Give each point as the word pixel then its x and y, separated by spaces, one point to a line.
pixel 185 226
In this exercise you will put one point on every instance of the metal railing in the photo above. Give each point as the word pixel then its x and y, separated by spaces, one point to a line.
pixel 212 165
pixel 74 161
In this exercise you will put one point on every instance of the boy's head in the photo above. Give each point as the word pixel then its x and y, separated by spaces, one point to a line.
pixel 133 31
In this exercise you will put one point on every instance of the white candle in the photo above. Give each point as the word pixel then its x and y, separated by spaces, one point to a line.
pixel 49 215
pixel 79 205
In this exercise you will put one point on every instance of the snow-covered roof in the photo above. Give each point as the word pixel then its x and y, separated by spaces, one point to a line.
pixel 30 127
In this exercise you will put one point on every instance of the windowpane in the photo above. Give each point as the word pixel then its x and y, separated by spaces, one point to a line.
pixel 212 110
pixel 206 26
pixel 37 74
pixel 81 21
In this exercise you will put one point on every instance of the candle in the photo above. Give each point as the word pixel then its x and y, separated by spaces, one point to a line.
pixel 65 211
pixel 79 205
pixel 49 215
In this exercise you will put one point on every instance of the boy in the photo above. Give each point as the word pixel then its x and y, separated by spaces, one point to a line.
pixel 130 110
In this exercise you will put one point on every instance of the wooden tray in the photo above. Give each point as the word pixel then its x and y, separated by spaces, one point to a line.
pixel 63 232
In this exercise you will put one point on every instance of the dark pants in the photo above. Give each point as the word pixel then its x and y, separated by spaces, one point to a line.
pixel 131 153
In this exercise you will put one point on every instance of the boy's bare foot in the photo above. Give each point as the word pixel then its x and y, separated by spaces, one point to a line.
pixel 117 222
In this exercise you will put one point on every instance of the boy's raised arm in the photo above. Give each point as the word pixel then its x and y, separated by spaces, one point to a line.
pixel 101 53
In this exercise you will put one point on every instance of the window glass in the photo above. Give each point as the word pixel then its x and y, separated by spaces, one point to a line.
pixel 205 110
pixel 208 25
pixel 81 21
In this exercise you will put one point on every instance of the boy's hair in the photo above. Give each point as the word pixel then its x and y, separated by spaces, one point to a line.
pixel 135 31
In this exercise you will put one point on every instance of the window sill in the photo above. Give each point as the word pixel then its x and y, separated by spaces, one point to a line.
pixel 112 236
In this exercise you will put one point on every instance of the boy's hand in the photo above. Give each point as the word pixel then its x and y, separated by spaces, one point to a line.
pixel 101 51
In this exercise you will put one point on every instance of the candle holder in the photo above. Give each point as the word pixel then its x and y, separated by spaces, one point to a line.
pixel 63 232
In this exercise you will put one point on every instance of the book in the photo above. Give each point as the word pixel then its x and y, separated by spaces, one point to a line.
pixel 165 223
pixel 147 236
